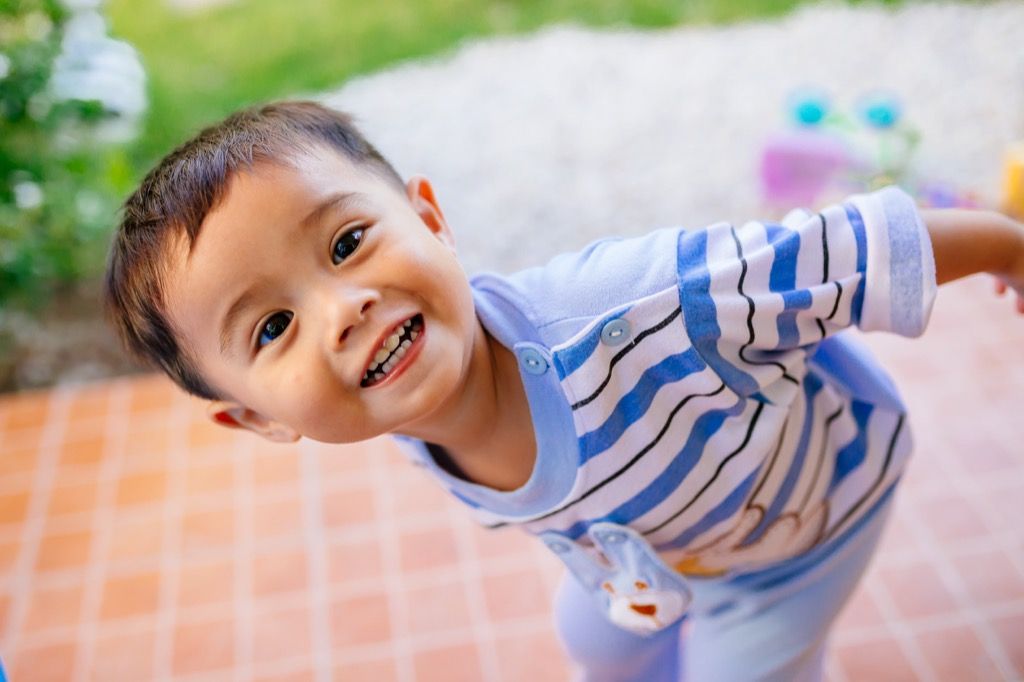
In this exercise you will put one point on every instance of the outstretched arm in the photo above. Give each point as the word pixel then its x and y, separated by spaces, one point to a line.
pixel 966 242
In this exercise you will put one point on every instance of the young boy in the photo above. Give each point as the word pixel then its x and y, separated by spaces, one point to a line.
pixel 673 415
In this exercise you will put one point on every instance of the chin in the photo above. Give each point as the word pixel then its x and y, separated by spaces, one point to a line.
pixel 431 395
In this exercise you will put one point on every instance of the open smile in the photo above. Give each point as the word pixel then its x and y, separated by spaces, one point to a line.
pixel 395 347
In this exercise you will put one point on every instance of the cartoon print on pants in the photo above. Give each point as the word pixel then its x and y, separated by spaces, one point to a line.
pixel 788 535
pixel 635 588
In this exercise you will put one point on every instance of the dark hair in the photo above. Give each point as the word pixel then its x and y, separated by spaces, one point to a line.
pixel 174 198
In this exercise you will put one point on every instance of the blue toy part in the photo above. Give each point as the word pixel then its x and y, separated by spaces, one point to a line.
pixel 880 110
pixel 635 588
pixel 809 106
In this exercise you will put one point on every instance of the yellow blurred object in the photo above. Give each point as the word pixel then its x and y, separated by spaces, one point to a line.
pixel 1013 182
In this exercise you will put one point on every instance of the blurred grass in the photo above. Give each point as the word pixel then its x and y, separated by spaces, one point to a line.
pixel 203 64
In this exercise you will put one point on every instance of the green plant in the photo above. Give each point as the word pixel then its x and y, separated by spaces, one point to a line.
pixel 59 184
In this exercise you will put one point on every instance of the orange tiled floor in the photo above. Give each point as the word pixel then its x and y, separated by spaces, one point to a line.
pixel 137 542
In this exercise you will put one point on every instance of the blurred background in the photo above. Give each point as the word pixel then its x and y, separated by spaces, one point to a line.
pixel 138 541
pixel 93 93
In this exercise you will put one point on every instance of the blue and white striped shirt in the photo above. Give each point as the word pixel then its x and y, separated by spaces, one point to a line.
pixel 689 384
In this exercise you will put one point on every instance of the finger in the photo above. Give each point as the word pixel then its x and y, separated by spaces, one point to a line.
pixel 1020 304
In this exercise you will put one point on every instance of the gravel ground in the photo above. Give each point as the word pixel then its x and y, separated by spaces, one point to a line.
pixel 543 143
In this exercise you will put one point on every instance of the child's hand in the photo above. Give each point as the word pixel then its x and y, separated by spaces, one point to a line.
pixel 1013 278
pixel 1004 283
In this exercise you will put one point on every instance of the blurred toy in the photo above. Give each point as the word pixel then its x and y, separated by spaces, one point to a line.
pixel 1013 182
pixel 827 153
pixel 798 166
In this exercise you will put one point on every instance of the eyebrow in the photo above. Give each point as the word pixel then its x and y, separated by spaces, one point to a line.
pixel 339 201
pixel 336 201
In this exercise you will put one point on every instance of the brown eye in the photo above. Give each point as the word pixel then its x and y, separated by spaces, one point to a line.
pixel 640 585
pixel 347 244
pixel 273 328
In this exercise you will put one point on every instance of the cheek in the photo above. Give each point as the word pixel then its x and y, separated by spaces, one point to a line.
pixel 447 281
pixel 424 258
pixel 299 396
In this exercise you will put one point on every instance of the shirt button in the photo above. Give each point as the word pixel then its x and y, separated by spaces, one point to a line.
pixel 533 362
pixel 615 332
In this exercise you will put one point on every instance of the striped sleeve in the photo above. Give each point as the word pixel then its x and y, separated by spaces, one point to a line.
pixel 750 295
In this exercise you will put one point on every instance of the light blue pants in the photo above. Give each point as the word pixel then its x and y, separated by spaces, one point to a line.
pixel 768 625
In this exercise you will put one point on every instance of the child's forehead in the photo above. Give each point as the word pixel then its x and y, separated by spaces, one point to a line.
pixel 316 167
pixel 320 158
pixel 282 193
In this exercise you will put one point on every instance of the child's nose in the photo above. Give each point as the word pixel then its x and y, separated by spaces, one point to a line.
pixel 343 310
pixel 362 315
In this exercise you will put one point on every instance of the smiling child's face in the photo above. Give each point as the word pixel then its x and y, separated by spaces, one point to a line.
pixel 321 301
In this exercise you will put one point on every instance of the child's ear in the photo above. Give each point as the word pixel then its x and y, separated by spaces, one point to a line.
pixel 234 416
pixel 421 196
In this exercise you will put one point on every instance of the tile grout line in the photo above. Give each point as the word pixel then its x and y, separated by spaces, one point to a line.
pixel 474 565
pixel 317 593
pixel 23 574
pixel 102 524
pixel 392 573
pixel 969 488
pixel 926 624
pixel 379 651
pixel 351 587
pixel 953 548
pixel 952 581
pixel 363 531
pixel 243 553
pixel 847 637
pixel 170 554
pixel 450 637
pixel 472 577
pixel 951 577
pixel 899 631
pixel 414 642
pixel 892 619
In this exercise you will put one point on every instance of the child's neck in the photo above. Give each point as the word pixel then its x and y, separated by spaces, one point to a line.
pixel 487 429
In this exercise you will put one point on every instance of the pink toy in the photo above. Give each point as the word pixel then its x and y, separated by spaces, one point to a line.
pixel 798 167
pixel 826 153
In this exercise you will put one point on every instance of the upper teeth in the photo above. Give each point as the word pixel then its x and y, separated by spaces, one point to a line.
pixel 392 350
